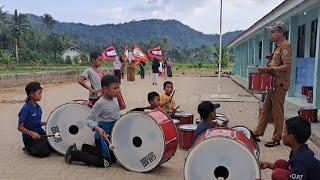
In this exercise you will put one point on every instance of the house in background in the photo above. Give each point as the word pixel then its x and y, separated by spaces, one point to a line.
pixel 301 18
pixel 70 53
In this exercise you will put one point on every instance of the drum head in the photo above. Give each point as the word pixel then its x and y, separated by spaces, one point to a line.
pixel 221 157
pixel 70 120
pixel 139 142
pixel 176 121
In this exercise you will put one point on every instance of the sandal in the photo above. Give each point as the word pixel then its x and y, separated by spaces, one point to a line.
pixel 273 143
pixel 257 139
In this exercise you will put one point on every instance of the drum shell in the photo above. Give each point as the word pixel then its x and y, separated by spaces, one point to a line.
pixel 186 137
pixel 310 114
pixel 184 118
pixel 260 82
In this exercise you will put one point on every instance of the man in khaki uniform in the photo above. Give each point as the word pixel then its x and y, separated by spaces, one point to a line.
pixel 281 67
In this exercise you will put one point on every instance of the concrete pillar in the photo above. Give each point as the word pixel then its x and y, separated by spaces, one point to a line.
pixel 293 38
pixel 316 85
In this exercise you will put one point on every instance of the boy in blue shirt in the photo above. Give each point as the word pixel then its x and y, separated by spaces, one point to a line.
pixel 303 163
pixel 207 112
pixel 30 122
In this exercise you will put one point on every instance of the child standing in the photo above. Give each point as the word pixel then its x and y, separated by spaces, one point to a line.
pixel 167 102
pixel 30 123
pixel 303 163
pixel 207 112
pixel 102 118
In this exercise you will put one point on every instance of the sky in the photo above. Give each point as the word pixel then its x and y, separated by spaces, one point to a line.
pixel 201 15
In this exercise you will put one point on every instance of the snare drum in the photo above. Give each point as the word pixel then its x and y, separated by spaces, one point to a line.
pixel 309 113
pixel 261 82
pixel 222 121
pixel 144 140
pixel 223 153
pixel 70 120
pixel 186 135
pixel 184 117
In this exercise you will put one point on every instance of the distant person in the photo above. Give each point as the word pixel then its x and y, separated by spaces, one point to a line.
pixel 30 124
pixel 164 66
pixel 124 63
pixel 142 70
pixel 303 163
pixel 94 75
pixel 117 67
pixel 155 71
pixel 169 68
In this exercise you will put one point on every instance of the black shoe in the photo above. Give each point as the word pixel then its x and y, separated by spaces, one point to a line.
pixel 273 143
pixel 256 138
pixel 67 157
pixel 113 157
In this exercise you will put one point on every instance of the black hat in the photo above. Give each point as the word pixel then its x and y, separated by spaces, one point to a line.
pixel 31 88
pixel 206 107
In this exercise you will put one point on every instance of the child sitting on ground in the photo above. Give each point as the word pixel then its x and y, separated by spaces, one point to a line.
pixel 303 163
pixel 103 115
pixel 207 112
pixel 167 102
pixel 30 123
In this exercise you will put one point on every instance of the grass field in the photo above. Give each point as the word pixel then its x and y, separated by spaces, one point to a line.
pixel 45 68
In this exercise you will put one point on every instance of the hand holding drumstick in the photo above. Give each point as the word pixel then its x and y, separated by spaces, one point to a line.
pixel 105 136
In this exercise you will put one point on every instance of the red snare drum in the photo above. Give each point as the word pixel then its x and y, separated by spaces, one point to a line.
pixel 184 117
pixel 261 110
pixel 309 113
pixel 186 135
pixel 144 140
pixel 305 90
pixel 261 82
pixel 223 153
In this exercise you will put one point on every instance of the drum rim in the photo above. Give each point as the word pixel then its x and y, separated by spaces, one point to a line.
pixel 47 130
pixel 255 143
pixel 193 125
pixel 183 115
pixel 210 138
pixel 164 147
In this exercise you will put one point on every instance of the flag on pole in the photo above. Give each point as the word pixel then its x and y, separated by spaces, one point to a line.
pixel 109 53
pixel 155 53
pixel 139 55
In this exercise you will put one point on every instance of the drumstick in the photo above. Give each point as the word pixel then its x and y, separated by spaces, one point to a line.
pixel 111 146
pixel 176 109
pixel 172 94
pixel 56 135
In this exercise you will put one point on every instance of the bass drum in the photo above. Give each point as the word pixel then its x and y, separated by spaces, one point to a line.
pixel 144 140
pixel 70 120
pixel 222 153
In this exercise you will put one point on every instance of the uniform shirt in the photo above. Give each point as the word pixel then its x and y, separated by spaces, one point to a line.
pixel 201 128
pixel 282 55
pixel 104 110
pixel 30 117
pixel 304 164
pixel 169 106
pixel 95 80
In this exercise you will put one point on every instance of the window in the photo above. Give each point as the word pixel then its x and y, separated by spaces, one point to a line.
pixel 301 41
pixel 271 47
pixel 313 41
pixel 260 50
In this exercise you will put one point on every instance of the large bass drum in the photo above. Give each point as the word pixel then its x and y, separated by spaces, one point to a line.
pixel 222 153
pixel 70 120
pixel 144 140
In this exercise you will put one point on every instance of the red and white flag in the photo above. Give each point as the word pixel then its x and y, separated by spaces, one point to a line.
pixel 139 55
pixel 126 52
pixel 109 53
pixel 155 53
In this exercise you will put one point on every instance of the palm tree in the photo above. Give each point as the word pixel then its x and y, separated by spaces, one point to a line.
pixel 7 58
pixel 48 23
pixel 3 19
pixel 19 27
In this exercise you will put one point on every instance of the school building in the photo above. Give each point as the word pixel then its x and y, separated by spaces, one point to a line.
pixel 301 18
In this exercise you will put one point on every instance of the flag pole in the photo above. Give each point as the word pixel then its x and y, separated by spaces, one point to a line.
pixel 220 49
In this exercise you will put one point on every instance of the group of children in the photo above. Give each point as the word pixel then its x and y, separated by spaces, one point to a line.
pixel 303 162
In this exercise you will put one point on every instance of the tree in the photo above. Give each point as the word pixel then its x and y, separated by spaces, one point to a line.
pixel 48 23
pixel 3 19
pixel 225 56
pixel 7 59
pixel 19 27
